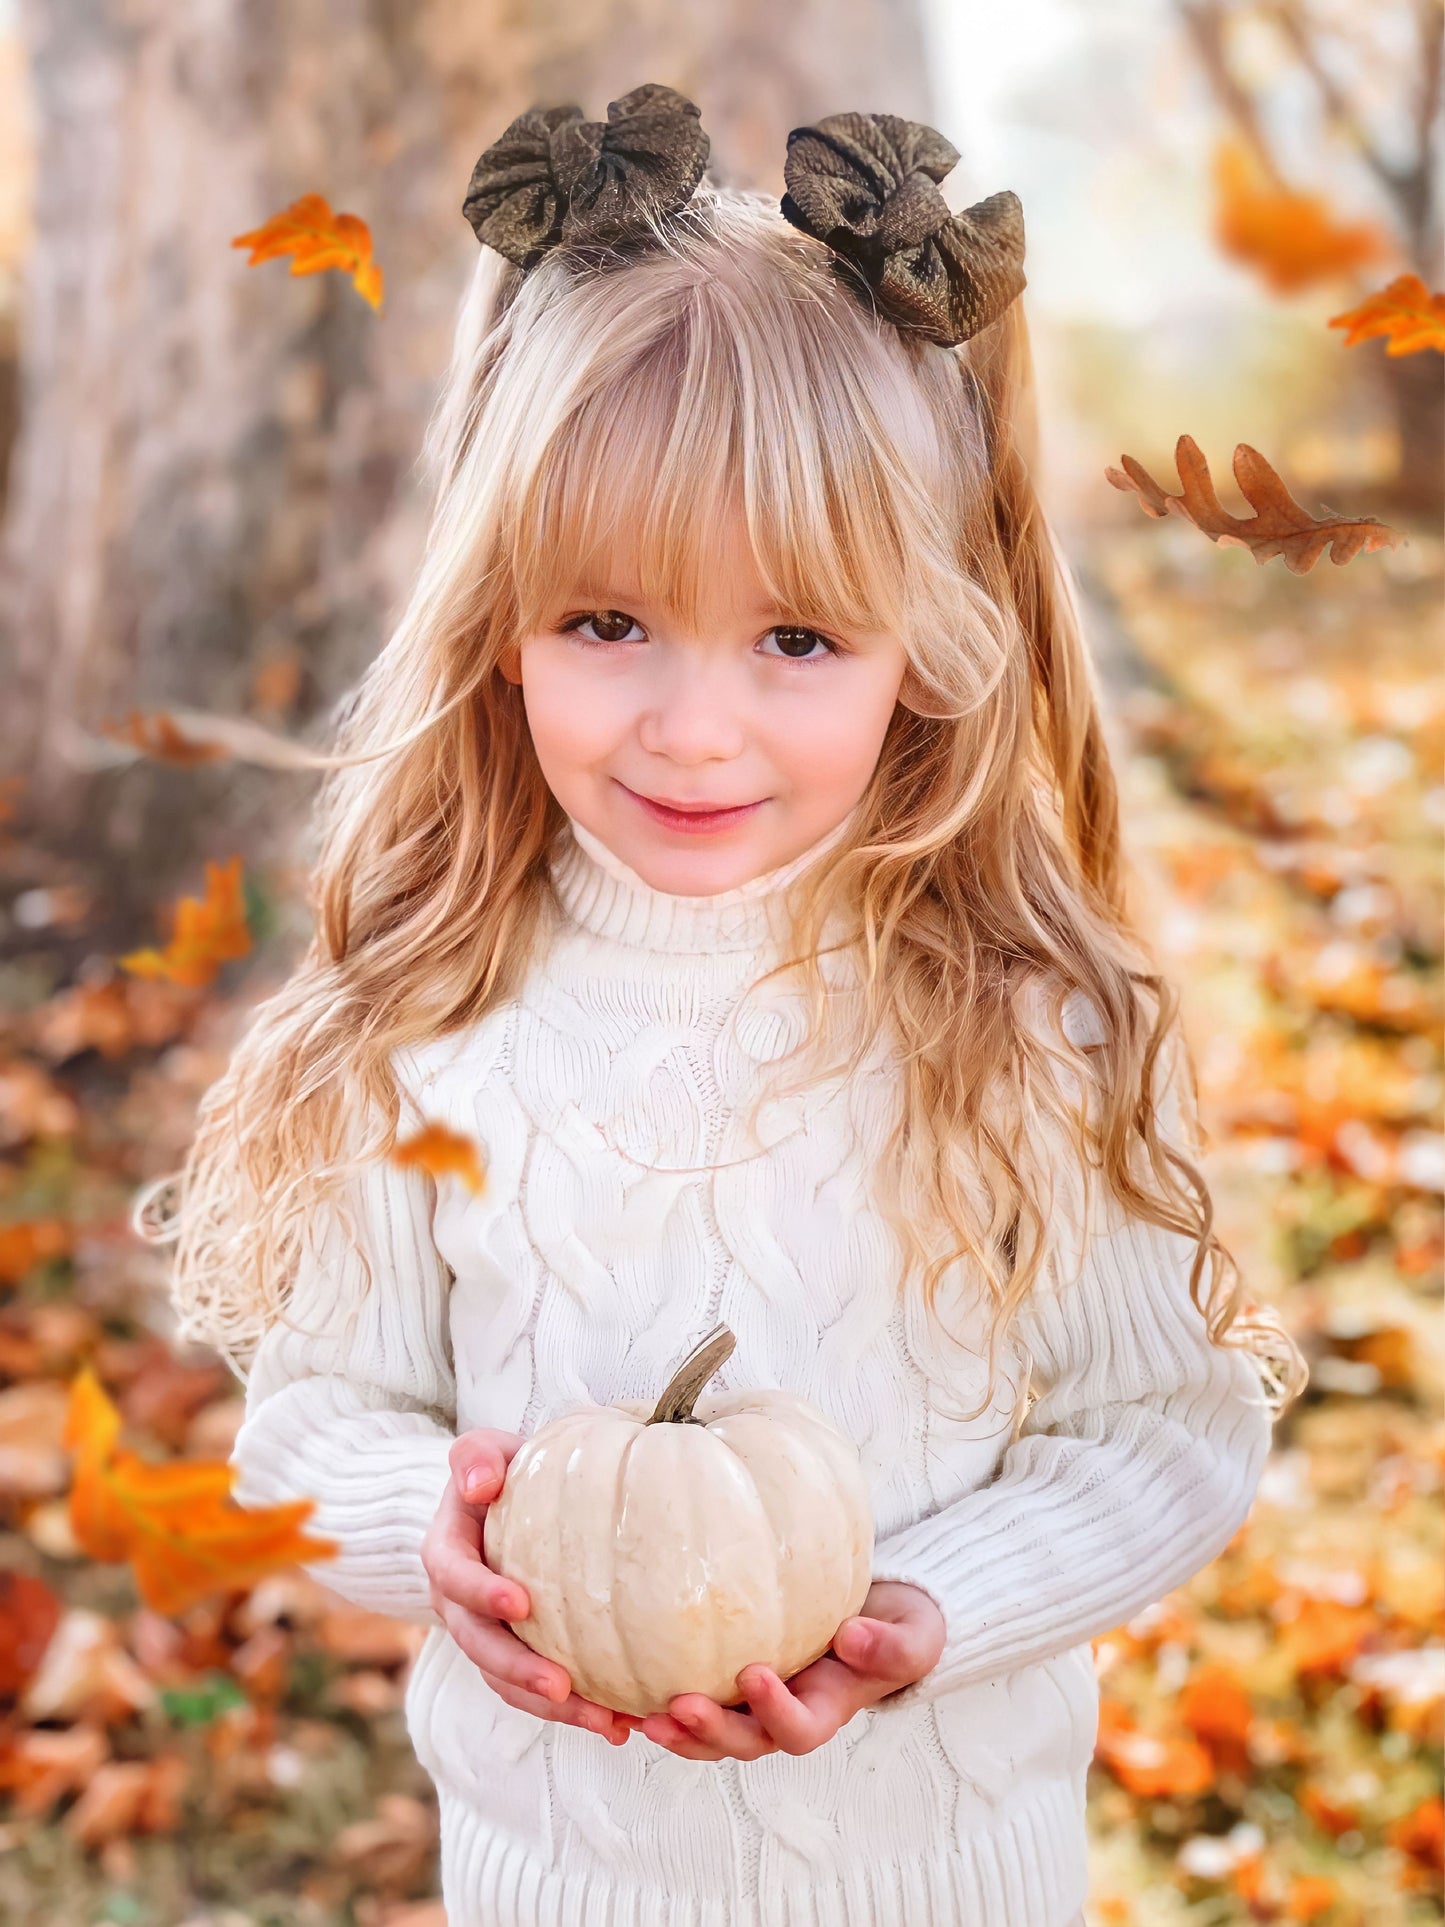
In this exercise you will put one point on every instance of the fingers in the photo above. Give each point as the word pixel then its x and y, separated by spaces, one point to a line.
pixel 479 1459
pixel 898 1651
pixel 573 1711
pixel 499 1653
pixel 525 1679
pixel 699 1728
pixel 777 1720
pixel 797 1722
pixel 451 1554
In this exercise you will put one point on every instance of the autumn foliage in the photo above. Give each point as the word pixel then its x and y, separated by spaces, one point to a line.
pixel 316 239
pixel 206 932
pixel 1270 1734
pixel 176 1523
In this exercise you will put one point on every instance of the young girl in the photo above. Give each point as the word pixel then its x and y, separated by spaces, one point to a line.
pixel 725 842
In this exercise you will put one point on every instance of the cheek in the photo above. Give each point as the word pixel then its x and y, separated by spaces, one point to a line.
pixel 830 740
pixel 575 718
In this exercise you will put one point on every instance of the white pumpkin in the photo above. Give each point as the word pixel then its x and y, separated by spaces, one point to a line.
pixel 664 1548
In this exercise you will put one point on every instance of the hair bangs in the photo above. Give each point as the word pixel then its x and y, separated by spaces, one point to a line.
pixel 737 396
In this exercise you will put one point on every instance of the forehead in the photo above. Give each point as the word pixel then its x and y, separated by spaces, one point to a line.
pixel 688 480
pixel 728 584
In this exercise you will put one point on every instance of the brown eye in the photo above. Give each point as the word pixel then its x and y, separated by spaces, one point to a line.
pixel 610 624
pixel 798 644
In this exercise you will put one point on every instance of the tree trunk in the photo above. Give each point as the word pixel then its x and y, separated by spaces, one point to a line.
pixel 1415 388
pixel 214 462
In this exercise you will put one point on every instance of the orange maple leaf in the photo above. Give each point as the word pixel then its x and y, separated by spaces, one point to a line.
pixel 208 932
pixel 1406 313
pixel 159 737
pixel 1293 239
pixel 1279 525
pixel 316 238
pixel 444 1152
pixel 177 1524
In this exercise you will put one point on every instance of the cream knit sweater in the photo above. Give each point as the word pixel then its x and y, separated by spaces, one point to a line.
pixel 629 1207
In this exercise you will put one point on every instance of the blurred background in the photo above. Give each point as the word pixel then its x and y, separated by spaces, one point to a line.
pixel 208 501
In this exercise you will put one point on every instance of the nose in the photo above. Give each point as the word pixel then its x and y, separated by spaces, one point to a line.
pixel 693 714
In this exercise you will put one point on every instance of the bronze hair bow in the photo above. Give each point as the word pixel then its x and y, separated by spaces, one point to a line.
pixel 866 185
pixel 556 178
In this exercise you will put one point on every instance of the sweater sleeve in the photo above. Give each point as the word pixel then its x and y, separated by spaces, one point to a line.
pixel 351 1398
pixel 1135 1466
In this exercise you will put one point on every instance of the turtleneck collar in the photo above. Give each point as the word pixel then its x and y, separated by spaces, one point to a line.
pixel 601 894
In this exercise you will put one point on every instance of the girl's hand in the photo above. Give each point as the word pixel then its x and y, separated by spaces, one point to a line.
pixel 895 1640
pixel 472 1600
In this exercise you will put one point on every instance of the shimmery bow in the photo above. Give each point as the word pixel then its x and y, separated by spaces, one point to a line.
pixel 555 178
pixel 866 185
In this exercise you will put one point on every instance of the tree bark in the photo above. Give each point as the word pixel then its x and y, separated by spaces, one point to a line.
pixel 1415 389
pixel 214 462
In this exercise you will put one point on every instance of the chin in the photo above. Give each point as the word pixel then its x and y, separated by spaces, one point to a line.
pixel 694 872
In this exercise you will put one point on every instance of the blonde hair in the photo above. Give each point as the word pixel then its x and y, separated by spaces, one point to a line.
pixel 617 397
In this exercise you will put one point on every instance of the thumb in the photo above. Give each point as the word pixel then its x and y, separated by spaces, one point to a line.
pixel 877 1647
pixel 479 1460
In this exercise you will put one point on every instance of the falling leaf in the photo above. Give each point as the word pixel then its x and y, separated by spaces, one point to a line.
pixel 161 739
pixel 208 931
pixel 316 238
pixel 444 1152
pixel 1279 526
pixel 1406 313
pixel 176 1523
pixel 1292 238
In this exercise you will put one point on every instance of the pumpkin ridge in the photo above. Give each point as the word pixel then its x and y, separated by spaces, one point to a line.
pixel 635 1685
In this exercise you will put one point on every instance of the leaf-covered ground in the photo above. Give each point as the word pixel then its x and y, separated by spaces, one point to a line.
pixel 1270 1743
pixel 1284 804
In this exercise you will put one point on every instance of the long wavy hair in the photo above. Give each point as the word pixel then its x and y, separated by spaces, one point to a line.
pixel 606 403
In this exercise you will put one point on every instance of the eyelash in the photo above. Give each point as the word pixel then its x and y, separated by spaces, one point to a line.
pixel 574 624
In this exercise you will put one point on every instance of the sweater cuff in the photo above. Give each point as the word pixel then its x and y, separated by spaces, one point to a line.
pixel 377 1477
pixel 1081 1532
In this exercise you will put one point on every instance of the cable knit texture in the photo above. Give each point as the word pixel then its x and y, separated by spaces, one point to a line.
pixel 638 1193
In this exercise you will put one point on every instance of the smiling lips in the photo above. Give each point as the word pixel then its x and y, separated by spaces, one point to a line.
pixel 694 819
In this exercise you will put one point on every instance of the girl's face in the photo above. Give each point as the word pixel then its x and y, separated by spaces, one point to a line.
pixel 703 756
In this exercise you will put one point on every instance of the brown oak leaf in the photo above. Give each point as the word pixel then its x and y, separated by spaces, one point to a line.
pixel 1279 525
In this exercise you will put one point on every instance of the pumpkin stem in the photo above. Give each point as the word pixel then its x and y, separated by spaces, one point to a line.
pixel 675 1405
